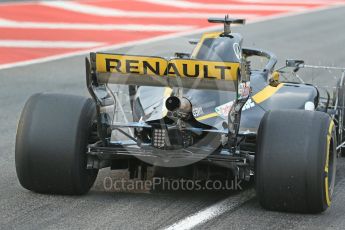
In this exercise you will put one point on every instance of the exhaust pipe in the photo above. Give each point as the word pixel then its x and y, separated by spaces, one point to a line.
pixel 182 105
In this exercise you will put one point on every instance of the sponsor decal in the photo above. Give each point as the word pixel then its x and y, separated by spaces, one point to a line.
pixel 237 50
pixel 223 110
pixel 244 89
pixel 309 105
pixel 249 104
pixel 197 111
pixel 156 66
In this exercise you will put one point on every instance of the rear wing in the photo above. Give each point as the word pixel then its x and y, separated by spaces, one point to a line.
pixel 158 71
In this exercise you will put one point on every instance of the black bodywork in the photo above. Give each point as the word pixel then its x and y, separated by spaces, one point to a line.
pixel 208 135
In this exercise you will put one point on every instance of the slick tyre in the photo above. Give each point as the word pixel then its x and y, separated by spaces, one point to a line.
pixel 296 161
pixel 52 136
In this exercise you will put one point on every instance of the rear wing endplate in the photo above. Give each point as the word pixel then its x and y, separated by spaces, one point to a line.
pixel 158 71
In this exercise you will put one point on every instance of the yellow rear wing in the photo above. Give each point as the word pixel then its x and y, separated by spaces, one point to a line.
pixel 158 71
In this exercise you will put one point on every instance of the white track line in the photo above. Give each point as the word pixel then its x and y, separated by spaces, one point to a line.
pixel 48 44
pixel 212 211
pixel 107 12
pixel 196 5
pixel 4 23
pixel 106 48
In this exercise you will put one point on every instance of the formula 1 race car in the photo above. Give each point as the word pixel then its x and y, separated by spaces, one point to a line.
pixel 199 115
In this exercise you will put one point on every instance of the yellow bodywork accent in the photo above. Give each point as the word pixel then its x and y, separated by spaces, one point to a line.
pixel 329 136
pixel 204 36
pixel 266 93
pixel 207 116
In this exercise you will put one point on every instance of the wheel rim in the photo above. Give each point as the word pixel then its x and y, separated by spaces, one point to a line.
pixel 330 171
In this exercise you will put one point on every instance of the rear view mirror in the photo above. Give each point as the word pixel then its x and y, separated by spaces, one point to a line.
pixel 296 64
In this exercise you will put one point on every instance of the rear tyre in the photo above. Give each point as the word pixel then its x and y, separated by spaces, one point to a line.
pixel 52 136
pixel 296 161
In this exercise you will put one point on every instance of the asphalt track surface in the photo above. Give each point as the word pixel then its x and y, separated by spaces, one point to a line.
pixel 316 37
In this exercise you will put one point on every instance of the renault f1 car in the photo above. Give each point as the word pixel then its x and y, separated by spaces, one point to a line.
pixel 194 115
